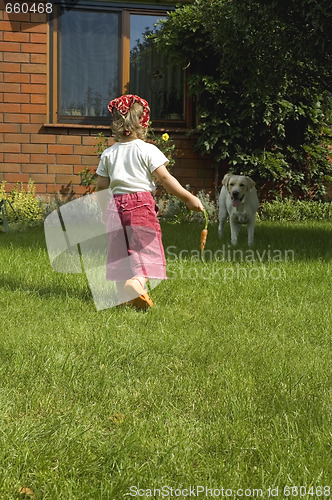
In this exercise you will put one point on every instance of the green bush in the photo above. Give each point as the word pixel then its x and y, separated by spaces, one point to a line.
pixel 260 77
pixel 24 208
pixel 171 208
pixel 296 210
pixel 165 144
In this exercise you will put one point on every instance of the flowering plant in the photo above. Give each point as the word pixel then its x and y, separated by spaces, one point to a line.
pixel 165 144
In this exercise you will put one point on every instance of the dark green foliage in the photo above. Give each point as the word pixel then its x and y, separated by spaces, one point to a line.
pixel 260 73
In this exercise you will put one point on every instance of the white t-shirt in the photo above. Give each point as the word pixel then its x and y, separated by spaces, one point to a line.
pixel 129 165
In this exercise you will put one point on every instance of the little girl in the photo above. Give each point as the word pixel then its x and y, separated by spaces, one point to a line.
pixel 128 168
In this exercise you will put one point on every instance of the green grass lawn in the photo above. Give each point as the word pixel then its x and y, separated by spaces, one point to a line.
pixel 225 383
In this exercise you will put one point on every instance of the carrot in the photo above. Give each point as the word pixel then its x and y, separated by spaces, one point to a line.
pixel 204 234
pixel 203 238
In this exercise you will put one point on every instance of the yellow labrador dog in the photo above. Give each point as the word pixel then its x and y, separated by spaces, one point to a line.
pixel 238 200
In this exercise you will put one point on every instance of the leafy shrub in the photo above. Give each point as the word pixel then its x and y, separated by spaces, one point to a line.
pixel 296 210
pixel 26 208
pixel 52 202
pixel 171 208
pixel 260 77
pixel 165 144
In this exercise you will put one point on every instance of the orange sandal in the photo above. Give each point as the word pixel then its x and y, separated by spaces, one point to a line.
pixel 141 299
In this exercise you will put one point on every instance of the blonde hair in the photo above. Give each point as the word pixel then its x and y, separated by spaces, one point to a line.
pixel 126 125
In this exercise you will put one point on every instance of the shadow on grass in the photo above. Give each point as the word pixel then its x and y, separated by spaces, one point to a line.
pixel 33 237
pixel 308 240
pixel 45 291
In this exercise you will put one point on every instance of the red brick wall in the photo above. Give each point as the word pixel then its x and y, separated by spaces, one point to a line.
pixel 53 156
pixel 190 168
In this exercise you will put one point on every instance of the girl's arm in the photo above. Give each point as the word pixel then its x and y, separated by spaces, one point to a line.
pixel 102 183
pixel 174 187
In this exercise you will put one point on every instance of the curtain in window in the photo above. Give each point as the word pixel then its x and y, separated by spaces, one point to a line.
pixel 89 65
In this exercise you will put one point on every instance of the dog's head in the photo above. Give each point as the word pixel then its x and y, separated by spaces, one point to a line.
pixel 237 186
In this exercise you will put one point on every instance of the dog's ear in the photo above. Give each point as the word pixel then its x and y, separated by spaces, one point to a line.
pixel 226 179
pixel 250 183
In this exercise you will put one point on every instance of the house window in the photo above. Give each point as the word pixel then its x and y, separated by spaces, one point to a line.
pixel 151 73
pixel 88 62
pixel 100 53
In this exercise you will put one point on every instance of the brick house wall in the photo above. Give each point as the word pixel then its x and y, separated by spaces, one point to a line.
pixel 51 155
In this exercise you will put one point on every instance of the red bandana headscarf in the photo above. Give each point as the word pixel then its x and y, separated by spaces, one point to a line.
pixel 123 104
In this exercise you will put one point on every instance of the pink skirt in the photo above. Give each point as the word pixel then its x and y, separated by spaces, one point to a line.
pixel 134 238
